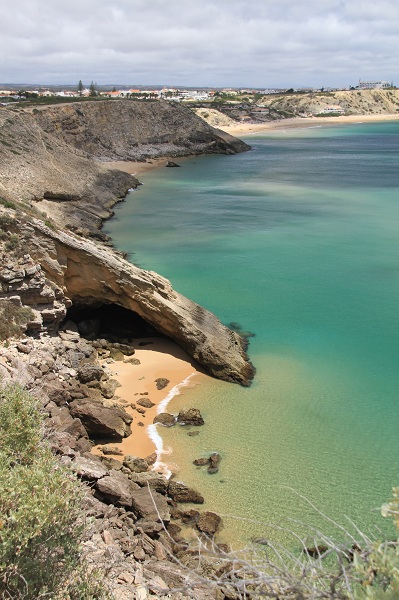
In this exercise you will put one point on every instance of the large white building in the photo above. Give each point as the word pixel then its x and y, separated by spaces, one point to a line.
pixel 373 85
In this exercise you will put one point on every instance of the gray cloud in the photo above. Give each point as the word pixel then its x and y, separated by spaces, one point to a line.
pixel 260 43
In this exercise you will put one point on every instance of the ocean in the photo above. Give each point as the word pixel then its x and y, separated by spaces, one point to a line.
pixel 297 242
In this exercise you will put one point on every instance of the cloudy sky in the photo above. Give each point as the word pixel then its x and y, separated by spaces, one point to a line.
pixel 257 43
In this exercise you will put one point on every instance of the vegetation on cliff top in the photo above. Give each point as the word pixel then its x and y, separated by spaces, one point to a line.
pixel 41 521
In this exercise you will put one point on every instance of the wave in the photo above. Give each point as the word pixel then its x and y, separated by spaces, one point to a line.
pixel 153 432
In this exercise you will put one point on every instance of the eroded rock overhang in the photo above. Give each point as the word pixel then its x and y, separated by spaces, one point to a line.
pixel 89 273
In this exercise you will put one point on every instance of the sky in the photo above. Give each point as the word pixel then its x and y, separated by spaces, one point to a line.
pixel 212 43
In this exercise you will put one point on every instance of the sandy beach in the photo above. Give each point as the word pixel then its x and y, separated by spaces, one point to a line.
pixel 299 122
pixel 137 168
pixel 159 358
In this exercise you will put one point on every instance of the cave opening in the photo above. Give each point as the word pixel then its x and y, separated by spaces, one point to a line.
pixel 108 321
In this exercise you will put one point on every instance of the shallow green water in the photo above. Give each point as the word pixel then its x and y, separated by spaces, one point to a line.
pixel 298 242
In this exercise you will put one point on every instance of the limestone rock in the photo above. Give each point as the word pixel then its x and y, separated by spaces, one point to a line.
pixel 89 372
pixel 201 462
pixel 214 462
pixel 135 464
pixel 146 402
pixel 89 468
pixel 156 481
pixel 179 492
pixel 101 421
pixel 161 383
pixel 150 505
pixel 116 488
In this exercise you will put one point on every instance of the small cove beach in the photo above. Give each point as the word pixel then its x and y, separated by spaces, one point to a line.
pixel 154 359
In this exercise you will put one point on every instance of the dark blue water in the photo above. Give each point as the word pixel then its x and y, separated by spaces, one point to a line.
pixel 298 242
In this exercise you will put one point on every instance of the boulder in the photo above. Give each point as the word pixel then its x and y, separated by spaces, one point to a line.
pixel 116 488
pixel 179 492
pixel 209 523
pixel 151 528
pixel 150 505
pixel 171 163
pixel 156 481
pixel 161 383
pixel 165 419
pixel 89 372
pixel 108 388
pixel 135 464
pixel 89 468
pixel 111 463
pixel 214 461
pixel 116 354
pixel 90 328
pixel 101 421
pixel 145 402
pixel 190 416
pixel 107 449
pixel 124 348
pixel 151 459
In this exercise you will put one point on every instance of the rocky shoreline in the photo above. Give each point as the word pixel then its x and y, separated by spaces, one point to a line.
pixel 136 515
pixel 58 293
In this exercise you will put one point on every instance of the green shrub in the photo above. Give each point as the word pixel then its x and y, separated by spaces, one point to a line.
pixel 7 203
pixel 6 221
pixel 12 243
pixel 13 319
pixel 41 523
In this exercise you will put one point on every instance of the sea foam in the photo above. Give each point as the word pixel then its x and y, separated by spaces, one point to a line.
pixel 153 432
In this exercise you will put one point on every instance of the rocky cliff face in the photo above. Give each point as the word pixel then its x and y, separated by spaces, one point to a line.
pixel 133 130
pixel 63 269
pixel 353 102
pixel 53 155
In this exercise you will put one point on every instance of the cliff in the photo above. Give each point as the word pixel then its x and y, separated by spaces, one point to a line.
pixel 353 102
pixel 51 156
pixel 49 160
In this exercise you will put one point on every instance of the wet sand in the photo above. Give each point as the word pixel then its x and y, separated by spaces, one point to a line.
pixel 137 168
pixel 159 358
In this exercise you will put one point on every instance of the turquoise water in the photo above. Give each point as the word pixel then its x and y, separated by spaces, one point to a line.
pixel 296 240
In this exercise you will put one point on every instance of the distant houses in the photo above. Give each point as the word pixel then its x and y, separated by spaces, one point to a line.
pixel 333 109
pixel 374 85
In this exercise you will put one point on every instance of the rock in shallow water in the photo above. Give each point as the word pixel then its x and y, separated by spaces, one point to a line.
pixel 165 419
pixel 190 416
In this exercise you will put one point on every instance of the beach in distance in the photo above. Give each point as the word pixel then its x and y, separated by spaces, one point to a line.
pixel 246 129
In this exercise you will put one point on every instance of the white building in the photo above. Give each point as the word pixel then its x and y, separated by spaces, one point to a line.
pixel 373 85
